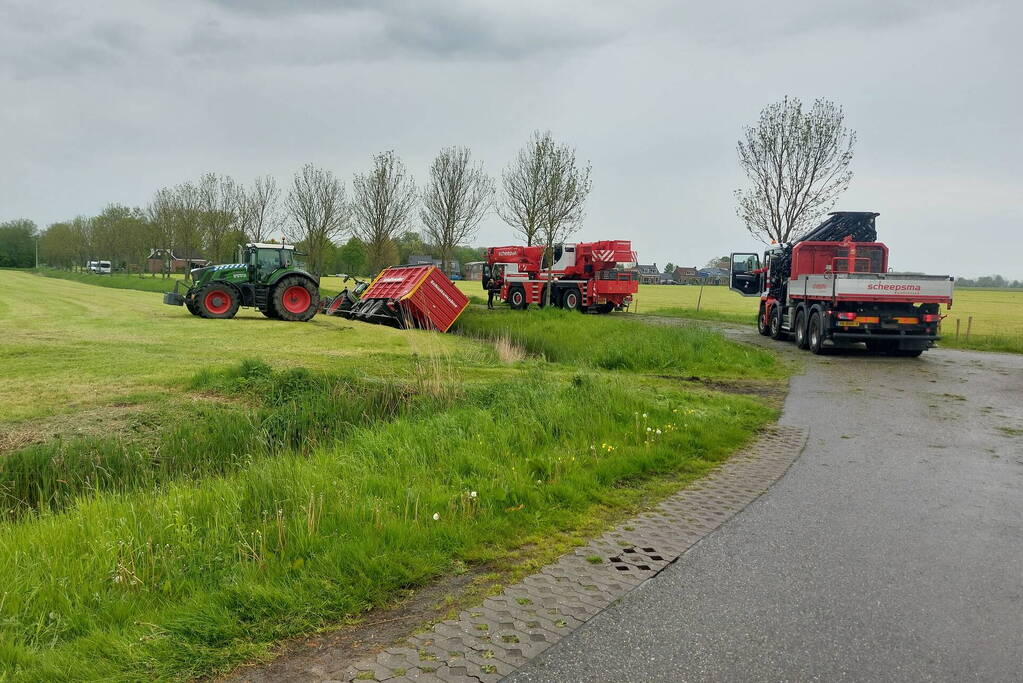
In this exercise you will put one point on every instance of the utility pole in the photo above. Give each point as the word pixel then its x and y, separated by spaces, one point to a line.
pixel 37 252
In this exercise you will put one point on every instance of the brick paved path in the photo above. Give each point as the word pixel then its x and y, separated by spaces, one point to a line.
pixel 489 642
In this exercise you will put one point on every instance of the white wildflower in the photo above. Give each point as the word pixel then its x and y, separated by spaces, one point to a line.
pixel 436 516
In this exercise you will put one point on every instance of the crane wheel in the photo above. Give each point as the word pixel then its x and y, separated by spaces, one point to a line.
pixel 815 334
pixel 762 326
pixel 217 300
pixel 570 299
pixel 776 332
pixel 517 299
pixel 801 340
pixel 295 299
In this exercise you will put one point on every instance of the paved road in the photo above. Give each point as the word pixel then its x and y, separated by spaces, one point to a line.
pixel 891 550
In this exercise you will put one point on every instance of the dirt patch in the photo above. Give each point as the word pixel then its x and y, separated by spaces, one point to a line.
pixel 772 390
pixel 331 651
pixel 119 418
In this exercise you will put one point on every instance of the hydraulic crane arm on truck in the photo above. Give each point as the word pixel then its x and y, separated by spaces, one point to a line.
pixel 832 288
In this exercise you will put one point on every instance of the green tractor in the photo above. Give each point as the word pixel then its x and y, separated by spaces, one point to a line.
pixel 266 277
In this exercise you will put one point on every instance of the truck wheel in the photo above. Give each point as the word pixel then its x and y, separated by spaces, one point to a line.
pixel 517 299
pixel 294 299
pixel 776 332
pixel 604 308
pixel 815 334
pixel 217 301
pixel 800 331
pixel 762 327
pixel 571 299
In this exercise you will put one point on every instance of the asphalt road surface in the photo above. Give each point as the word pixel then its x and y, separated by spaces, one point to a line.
pixel 891 550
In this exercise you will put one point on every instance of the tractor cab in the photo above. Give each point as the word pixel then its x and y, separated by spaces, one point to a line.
pixel 264 259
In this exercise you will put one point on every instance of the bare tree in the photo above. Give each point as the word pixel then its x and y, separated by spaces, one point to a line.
pixel 457 197
pixel 257 209
pixel 382 208
pixel 319 212
pixel 522 181
pixel 564 187
pixel 797 163
pixel 218 206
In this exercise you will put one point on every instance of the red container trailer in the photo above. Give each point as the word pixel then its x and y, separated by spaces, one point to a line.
pixel 420 297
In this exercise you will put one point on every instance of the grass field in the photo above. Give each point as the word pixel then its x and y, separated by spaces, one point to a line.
pixel 180 494
pixel 997 314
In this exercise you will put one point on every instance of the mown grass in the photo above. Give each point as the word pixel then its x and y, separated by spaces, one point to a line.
pixel 615 342
pixel 144 283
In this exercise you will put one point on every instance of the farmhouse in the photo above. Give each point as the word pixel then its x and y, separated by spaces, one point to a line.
pixel 686 276
pixel 454 268
pixel 648 274
pixel 169 261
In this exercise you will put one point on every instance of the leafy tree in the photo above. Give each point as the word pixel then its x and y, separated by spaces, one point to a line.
pixel 669 268
pixel 17 244
pixel 457 197
pixel 382 208
pixel 319 212
pixel 351 257
pixel 797 163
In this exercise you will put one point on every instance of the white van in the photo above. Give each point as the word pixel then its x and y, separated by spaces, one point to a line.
pixel 92 266
pixel 103 267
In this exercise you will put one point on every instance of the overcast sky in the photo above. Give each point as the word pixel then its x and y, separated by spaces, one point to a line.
pixel 106 102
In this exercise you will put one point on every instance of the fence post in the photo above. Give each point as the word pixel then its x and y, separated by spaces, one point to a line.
pixel 957 329
pixel 969 324
pixel 699 298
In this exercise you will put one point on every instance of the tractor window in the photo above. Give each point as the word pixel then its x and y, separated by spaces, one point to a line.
pixel 268 259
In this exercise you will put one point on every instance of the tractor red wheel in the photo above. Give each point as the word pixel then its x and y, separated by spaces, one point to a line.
pixel 295 298
pixel 217 301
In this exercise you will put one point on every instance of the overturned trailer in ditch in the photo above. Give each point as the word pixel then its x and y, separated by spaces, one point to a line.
pixel 410 297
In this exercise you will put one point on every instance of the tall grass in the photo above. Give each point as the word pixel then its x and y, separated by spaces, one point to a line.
pixel 294 409
pixel 1004 343
pixel 619 343
pixel 195 575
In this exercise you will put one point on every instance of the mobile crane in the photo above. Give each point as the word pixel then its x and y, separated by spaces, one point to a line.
pixel 585 276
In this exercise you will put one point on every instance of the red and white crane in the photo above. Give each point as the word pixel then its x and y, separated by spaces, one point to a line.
pixel 587 276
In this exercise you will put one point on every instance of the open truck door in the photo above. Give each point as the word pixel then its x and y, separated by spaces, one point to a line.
pixel 743 276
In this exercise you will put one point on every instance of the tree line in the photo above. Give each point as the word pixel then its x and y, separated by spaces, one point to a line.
pixel 375 222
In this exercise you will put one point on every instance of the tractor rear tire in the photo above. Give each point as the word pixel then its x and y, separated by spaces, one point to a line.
pixel 269 312
pixel 295 299
pixel 217 300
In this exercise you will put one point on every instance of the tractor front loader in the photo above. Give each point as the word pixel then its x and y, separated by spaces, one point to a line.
pixel 266 277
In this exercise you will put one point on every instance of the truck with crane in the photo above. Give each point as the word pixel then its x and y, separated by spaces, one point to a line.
pixel 584 276
pixel 832 288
